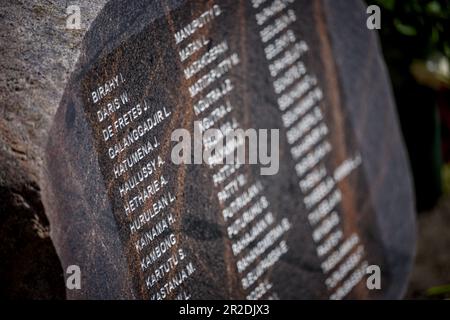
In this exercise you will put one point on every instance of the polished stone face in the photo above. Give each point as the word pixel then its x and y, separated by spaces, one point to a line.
pixel 140 226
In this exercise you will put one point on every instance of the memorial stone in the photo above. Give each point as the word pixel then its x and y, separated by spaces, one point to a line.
pixel 140 226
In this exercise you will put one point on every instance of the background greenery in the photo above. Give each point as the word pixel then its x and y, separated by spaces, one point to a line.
pixel 415 37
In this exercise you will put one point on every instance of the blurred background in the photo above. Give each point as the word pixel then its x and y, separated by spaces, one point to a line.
pixel 415 36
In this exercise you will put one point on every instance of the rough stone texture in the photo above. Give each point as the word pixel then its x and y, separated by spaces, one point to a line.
pixel 82 200
pixel 38 58
pixel 38 54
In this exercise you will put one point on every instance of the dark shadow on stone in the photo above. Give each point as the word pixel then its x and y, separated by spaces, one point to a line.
pixel 201 229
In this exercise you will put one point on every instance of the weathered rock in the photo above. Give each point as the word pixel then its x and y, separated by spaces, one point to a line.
pixel 131 49
pixel 38 55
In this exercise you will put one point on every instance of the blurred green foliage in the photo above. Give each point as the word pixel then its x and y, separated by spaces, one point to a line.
pixel 415 38
pixel 439 291
pixel 446 179
pixel 419 24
